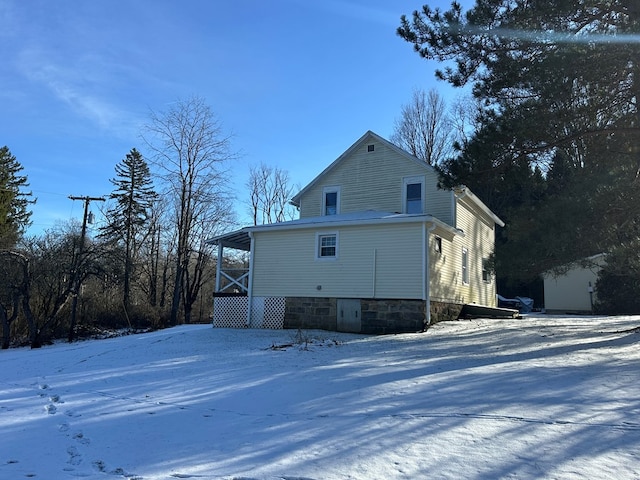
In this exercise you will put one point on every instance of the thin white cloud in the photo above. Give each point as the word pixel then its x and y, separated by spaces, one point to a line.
pixel 81 87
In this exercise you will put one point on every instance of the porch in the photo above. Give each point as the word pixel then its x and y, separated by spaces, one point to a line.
pixel 234 305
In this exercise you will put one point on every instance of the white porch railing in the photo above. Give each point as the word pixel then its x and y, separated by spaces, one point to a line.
pixel 236 280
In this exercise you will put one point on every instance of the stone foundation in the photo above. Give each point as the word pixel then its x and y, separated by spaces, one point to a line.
pixel 392 316
pixel 311 313
pixel 378 316
pixel 443 311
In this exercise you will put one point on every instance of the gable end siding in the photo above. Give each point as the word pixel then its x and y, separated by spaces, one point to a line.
pixel 374 181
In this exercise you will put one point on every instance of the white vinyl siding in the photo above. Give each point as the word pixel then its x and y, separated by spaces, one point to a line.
pixel 373 181
pixel 479 241
pixel 446 267
pixel 381 261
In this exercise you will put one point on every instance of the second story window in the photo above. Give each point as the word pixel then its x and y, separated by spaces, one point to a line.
pixel 413 195
pixel 331 201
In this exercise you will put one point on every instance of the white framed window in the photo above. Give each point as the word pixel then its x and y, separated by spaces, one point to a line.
pixel 486 273
pixel 330 200
pixel 413 194
pixel 465 266
pixel 327 246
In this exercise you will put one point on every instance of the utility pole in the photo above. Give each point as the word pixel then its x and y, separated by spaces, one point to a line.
pixel 76 278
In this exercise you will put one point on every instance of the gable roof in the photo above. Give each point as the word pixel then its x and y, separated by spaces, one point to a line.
pixel 367 137
pixel 463 191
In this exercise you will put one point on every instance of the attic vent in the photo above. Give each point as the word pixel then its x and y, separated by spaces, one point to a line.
pixel 370 148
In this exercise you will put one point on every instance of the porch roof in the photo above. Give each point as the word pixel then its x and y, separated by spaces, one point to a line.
pixel 241 240
pixel 237 239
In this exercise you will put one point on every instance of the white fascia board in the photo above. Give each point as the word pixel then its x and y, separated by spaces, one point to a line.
pixel 328 222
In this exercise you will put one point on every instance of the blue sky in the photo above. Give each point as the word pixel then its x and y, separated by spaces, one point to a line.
pixel 296 82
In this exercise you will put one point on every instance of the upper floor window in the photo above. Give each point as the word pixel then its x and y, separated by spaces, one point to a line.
pixel 331 200
pixel 413 194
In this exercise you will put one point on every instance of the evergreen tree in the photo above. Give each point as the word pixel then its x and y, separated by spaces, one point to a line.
pixel 559 81
pixel 133 196
pixel 619 282
pixel 14 202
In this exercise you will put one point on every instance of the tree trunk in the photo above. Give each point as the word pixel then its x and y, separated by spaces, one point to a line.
pixel 34 333
pixel 177 292
pixel 6 328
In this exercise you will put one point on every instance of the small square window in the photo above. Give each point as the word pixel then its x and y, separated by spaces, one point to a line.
pixel 327 245
pixel 437 244
pixel 371 148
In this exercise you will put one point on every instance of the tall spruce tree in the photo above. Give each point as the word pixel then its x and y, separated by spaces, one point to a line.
pixel 14 201
pixel 560 82
pixel 133 196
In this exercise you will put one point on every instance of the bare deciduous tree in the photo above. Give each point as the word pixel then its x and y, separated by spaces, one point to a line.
pixel 270 192
pixel 424 128
pixel 465 119
pixel 191 150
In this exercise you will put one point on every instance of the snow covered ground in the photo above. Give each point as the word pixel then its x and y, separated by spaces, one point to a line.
pixel 540 397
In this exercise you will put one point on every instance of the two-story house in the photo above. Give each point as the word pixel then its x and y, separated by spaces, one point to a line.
pixel 378 248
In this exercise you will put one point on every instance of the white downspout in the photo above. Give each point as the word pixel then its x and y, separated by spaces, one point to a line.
pixel 250 285
pixel 426 278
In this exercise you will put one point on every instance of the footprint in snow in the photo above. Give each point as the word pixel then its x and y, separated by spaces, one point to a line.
pixel 74 456
pixel 101 466
pixel 50 409
pixel 55 399
pixel 80 438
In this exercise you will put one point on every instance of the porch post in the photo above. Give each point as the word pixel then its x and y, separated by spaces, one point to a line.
pixel 219 265
pixel 250 280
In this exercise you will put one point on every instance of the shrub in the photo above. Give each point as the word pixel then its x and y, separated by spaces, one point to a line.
pixel 618 284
